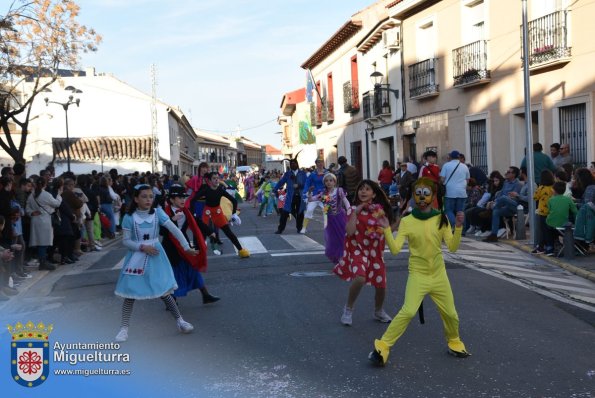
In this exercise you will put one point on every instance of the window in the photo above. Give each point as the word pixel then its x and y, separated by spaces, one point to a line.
pixel 426 40
pixel 478 144
pixel 573 131
pixel 473 17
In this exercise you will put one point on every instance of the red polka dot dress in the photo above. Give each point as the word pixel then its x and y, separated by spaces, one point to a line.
pixel 364 250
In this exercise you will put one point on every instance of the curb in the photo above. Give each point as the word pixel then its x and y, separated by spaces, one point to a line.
pixel 569 267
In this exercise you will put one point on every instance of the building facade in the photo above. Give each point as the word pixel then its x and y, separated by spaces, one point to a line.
pixel 402 77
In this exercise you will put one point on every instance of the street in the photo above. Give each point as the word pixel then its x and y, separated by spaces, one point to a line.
pixel 529 326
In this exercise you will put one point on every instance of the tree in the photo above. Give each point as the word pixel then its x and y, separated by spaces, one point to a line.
pixel 37 39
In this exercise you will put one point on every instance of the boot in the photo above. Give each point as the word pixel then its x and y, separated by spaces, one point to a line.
pixel 208 298
pixel 45 266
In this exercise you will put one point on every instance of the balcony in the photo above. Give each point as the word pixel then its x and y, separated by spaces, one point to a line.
pixel 350 97
pixel 422 79
pixel 470 64
pixel 548 40
pixel 376 103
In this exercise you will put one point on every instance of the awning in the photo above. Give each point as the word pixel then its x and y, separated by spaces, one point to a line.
pixel 108 148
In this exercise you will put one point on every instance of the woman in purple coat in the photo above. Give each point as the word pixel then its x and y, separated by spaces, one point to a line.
pixel 336 209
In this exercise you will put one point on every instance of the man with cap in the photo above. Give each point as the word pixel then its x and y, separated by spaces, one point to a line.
pixel 454 175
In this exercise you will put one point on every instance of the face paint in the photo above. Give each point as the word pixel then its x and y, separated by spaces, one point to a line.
pixel 423 196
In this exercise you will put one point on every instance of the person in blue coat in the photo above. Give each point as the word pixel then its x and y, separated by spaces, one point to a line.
pixel 294 180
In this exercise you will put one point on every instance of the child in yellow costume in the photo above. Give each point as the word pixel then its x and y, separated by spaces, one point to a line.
pixel 425 229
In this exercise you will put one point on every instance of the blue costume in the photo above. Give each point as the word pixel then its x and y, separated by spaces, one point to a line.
pixel 144 276
pixel 294 182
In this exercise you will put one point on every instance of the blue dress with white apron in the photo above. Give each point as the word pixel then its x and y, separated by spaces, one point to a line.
pixel 144 276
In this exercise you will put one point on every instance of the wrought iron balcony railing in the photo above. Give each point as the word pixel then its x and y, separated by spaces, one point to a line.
pixel 548 39
pixel 422 79
pixel 376 102
pixel 350 97
pixel 470 64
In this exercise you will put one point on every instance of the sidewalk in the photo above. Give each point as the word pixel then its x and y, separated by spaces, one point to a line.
pixel 24 285
pixel 583 266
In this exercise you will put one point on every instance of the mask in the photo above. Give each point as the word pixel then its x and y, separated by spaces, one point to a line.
pixel 423 195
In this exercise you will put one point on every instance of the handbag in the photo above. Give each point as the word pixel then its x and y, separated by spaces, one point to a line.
pixel 55 216
pixel 56 219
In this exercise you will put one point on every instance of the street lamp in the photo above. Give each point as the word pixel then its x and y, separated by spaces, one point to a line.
pixel 377 78
pixel 65 106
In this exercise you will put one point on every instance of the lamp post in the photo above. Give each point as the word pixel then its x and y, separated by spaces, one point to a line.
pixel 377 78
pixel 65 106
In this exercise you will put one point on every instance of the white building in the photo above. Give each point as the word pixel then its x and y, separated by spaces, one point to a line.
pixel 114 126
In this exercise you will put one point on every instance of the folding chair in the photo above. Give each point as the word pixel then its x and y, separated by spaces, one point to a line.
pixel 561 234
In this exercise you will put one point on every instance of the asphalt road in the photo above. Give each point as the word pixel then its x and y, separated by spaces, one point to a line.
pixel 276 331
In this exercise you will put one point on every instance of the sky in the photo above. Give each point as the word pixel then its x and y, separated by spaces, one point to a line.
pixel 225 63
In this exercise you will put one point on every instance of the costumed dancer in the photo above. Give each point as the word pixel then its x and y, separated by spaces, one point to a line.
pixel 197 206
pixel 335 208
pixel 146 272
pixel 293 180
pixel 212 192
pixel 187 269
pixel 363 262
pixel 312 192
pixel 425 229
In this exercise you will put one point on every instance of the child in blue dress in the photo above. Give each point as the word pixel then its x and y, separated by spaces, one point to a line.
pixel 146 272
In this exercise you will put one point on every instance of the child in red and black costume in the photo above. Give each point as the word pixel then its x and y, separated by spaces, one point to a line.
pixel 212 192
pixel 187 269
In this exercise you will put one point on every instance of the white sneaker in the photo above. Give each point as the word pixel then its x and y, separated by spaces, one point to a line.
pixel 33 262
pixel 478 233
pixel 184 326
pixel 346 318
pixel 382 316
pixel 470 230
pixel 486 233
pixel 122 335
pixel 501 232
pixel 303 231
pixel 98 248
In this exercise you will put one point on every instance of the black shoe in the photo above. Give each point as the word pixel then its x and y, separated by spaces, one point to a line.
pixel 278 231
pixel 73 258
pixel 208 298
pixel 66 260
pixel 47 267
pixel 376 358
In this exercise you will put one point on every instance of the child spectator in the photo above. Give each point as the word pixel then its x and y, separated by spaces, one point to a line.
pixel 542 195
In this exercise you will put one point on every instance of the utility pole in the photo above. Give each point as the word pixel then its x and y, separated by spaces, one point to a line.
pixel 528 121
pixel 154 134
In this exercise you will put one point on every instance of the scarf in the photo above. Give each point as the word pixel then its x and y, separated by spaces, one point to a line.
pixel 420 215
pixel 198 262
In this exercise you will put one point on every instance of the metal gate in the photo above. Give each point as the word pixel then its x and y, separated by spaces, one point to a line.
pixel 573 131
pixel 477 140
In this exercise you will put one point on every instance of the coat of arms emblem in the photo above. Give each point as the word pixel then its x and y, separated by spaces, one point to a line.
pixel 29 353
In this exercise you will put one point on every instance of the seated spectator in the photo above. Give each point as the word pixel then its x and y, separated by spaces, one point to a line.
pixel 505 204
pixel 480 216
pixel 584 230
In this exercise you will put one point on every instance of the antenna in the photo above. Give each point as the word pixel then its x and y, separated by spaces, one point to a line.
pixel 154 134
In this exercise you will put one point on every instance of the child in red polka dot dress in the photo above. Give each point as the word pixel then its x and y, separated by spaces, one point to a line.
pixel 363 257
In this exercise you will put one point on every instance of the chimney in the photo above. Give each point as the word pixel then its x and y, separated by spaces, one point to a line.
pixel 90 71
